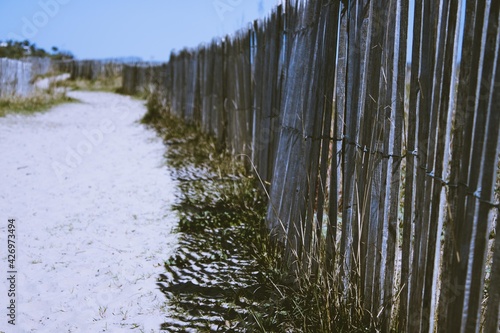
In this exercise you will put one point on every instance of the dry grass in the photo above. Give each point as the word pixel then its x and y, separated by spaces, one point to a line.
pixel 41 101
pixel 296 302
pixel 112 84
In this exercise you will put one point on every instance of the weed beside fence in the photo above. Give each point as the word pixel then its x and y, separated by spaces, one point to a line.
pixel 378 207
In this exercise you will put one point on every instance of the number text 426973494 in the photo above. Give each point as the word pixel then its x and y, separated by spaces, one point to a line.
pixel 11 271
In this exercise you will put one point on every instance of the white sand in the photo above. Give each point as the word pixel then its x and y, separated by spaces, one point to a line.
pixel 92 199
pixel 45 83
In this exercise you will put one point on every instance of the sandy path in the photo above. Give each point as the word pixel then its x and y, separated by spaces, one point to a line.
pixel 91 196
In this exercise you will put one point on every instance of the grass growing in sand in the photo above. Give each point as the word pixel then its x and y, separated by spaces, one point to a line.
pixel 219 205
pixel 112 84
pixel 42 101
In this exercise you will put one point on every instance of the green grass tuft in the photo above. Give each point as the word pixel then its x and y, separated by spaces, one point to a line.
pixel 30 105
pixel 112 84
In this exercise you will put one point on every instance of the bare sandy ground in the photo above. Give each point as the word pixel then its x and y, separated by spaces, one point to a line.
pixel 44 84
pixel 92 201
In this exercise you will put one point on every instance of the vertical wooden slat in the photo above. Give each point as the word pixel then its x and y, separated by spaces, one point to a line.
pixel 486 180
pixel 462 229
pixel 271 86
pixel 313 131
pixel 371 183
pixel 492 317
pixel 427 53
pixel 439 116
pixel 409 208
pixel 331 24
pixel 350 219
pixel 278 224
pixel 248 93
pixel 396 123
pixel 255 77
pixel 387 99
pixel 331 238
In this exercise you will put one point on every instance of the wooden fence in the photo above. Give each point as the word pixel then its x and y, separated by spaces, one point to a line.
pixel 141 77
pixel 397 204
pixel 39 66
pixel 90 69
pixel 15 78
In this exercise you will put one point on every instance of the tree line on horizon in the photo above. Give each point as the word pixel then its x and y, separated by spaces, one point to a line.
pixel 22 49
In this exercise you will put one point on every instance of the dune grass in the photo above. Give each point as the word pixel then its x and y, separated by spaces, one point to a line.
pixel 285 303
pixel 39 102
pixel 112 84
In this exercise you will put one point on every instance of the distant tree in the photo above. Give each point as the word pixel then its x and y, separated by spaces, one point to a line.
pixel 62 55
pixel 17 50
pixel 14 50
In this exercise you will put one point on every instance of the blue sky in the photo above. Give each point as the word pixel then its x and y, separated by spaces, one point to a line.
pixel 149 29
